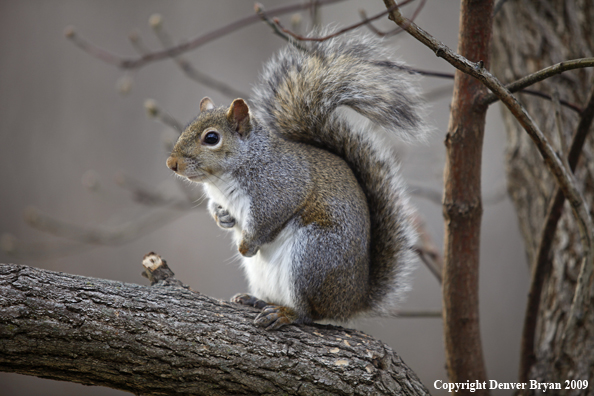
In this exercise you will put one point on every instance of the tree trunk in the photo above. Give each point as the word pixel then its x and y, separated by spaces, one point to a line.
pixel 167 340
pixel 462 206
pixel 528 36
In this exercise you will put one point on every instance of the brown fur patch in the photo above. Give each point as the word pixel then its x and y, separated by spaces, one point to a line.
pixel 243 248
pixel 316 213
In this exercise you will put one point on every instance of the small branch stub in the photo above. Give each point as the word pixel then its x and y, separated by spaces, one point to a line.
pixel 158 272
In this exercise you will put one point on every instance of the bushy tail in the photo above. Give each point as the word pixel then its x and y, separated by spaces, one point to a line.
pixel 296 97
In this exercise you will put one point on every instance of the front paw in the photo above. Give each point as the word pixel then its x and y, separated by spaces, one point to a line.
pixel 273 317
pixel 224 218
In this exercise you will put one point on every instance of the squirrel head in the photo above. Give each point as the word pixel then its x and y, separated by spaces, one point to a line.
pixel 211 144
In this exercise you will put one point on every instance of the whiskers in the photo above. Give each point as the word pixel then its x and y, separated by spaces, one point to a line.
pixel 199 201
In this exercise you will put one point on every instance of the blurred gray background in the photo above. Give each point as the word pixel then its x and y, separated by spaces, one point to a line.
pixel 63 121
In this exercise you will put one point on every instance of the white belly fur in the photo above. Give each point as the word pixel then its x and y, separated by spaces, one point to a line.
pixel 269 271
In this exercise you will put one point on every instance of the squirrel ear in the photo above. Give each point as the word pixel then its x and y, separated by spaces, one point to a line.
pixel 206 104
pixel 239 116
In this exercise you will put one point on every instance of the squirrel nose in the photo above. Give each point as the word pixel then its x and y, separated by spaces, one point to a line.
pixel 172 163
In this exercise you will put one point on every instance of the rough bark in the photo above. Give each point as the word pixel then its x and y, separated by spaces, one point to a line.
pixel 529 36
pixel 462 205
pixel 166 340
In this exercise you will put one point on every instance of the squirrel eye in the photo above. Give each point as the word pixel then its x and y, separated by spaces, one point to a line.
pixel 211 138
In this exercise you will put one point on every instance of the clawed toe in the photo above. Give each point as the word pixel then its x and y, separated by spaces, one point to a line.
pixel 273 317
pixel 249 300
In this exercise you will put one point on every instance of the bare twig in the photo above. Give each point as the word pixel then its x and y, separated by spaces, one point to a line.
pixel 559 125
pixel 426 249
pixel 432 261
pixel 102 236
pixel 259 9
pixel 39 250
pixel 565 103
pixel 375 30
pixel 156 23
pixel 315 14
pixel 338 32
pixel 542 265
pixel 290 37
pixel 137 44
pixel 146 195
pixel 435 196
pixel 533 92
pixel 431 194
pixel 80 239
pixel 419 314
pixel 540 75
pixel 562 175
pixel 135 63
pixel 394 31
pixel 154 111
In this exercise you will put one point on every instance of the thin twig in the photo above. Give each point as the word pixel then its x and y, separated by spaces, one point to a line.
pixel 338 32
pixel 315 14
pixel 135 63
pixel 431 194
pixel 154 111
pixel 394 31
pixel 542 265
pixel 562 175
pixel 119 235
pixel 430 259
pixel 565 103
pixel 533 92
pixel 146 195
pixel 375 30
pixel 426 249
pixel 137 43
pixel 419 314
pixel 21 250
pixel 286 35
pixel 559 125
pixel 156 22
pixel 540 75
pixel 435 196
pixel 259 9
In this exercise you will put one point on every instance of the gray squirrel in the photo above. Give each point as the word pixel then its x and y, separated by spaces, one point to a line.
pixel 316 205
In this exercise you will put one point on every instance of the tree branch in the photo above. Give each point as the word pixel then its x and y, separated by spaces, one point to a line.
pixel 540 75
pixel 393 32
pixel 156 23
pixel 99 236
pixel 154 111
pixel 562 175
pixel 135 63
pixel 338 32
pixel 167 339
